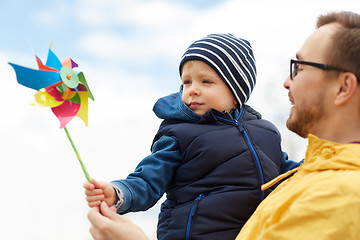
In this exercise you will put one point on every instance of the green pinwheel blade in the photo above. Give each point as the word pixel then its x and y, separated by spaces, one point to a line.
pixel 83 81
pixel 75 99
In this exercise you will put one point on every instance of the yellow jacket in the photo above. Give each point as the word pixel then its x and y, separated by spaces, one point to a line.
pixel 321 200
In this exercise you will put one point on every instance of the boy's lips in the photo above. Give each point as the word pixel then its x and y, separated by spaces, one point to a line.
pixel 194 105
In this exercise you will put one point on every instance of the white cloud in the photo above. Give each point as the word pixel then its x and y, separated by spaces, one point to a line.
pixel 136 14
pixel 111 45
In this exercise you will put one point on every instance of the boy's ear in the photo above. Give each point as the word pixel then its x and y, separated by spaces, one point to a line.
pixel 346 88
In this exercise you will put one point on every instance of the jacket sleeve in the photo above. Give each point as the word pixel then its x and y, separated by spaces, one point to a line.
pixel 145 186
pixel 287 164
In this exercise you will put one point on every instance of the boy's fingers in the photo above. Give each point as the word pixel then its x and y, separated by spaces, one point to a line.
pixel 95 198
pixel 94 192
pixel 90 185
pixel 94 204
pixel 101 185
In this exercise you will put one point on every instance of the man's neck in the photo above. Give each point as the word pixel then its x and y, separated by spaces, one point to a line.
pixel 340 134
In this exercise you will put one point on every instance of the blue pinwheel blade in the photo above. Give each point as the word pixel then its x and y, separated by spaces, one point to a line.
pixel 53 61
pixel 35 79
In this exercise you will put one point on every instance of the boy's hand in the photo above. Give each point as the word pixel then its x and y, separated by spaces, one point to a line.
pixel 96 192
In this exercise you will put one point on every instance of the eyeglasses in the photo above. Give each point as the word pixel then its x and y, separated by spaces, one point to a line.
pixel 294 66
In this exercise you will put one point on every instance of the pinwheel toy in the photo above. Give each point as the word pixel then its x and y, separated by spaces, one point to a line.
pixel 60 88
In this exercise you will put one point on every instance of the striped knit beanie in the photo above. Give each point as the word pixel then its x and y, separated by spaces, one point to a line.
pixel 231 58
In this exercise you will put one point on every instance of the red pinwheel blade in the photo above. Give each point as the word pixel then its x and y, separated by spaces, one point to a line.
pixel 52 90
pixel 66 112
pixel 44 67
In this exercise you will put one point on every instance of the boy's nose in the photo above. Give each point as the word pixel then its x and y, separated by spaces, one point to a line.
pixel 194 90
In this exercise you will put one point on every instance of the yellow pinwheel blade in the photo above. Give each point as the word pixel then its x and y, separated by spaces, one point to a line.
pixel 44 99
pixel 83 111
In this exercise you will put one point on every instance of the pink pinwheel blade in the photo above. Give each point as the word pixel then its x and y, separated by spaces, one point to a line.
pixel 65 112
pixel 68 62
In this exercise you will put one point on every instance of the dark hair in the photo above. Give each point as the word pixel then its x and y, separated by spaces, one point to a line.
pixel 345 41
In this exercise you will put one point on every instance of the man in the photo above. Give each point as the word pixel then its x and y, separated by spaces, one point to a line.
pixel 322 199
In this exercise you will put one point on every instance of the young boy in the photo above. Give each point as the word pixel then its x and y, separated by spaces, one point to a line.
pixel 212 152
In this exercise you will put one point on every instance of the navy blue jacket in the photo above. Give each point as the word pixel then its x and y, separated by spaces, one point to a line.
pixel 211 168
pixel 226 159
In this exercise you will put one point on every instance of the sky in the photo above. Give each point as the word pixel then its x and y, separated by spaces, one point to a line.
pixel 129 51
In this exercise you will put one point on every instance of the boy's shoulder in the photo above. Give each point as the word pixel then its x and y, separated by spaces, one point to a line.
pixel 254 118
pixel 251 113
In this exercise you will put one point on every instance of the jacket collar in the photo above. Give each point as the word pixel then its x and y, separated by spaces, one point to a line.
pixel 325 155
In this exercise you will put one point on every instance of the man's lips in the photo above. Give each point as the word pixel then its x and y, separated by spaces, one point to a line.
pixel 291 99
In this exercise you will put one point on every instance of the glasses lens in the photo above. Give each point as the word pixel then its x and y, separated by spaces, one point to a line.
pixel 294 69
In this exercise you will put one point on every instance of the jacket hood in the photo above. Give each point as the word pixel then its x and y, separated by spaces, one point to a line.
pixel 172 107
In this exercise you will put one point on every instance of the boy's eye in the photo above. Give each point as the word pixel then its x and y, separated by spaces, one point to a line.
pixel 207 81
pixel 185 82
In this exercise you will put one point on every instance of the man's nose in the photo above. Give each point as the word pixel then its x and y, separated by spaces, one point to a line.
pixel 287 82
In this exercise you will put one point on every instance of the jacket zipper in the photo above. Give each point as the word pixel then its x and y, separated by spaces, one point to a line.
pixel 257 160
pixel 192 214
pixel 257 163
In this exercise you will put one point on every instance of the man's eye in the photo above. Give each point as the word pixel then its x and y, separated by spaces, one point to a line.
pixel 186 82
pixel 298 68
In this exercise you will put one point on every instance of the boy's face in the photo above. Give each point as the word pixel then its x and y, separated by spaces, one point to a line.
pixel 203 89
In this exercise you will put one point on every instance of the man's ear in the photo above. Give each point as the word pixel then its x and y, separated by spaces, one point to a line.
pixel 346 88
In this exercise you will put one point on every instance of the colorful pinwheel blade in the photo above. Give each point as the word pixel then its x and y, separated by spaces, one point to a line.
pixel 53 61
pixel 66 112
pixel 65 92
pixel 35 79
pixel 68 62
pixel 83 111
pixel 44 99
pixel 54 92
pixel 83 81
pixel 44 67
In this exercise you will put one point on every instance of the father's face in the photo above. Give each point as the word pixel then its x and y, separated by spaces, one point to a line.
pixel 309 89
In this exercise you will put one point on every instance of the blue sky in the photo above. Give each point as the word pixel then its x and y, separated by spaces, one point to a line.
pixel 129 51
pixel 81 28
